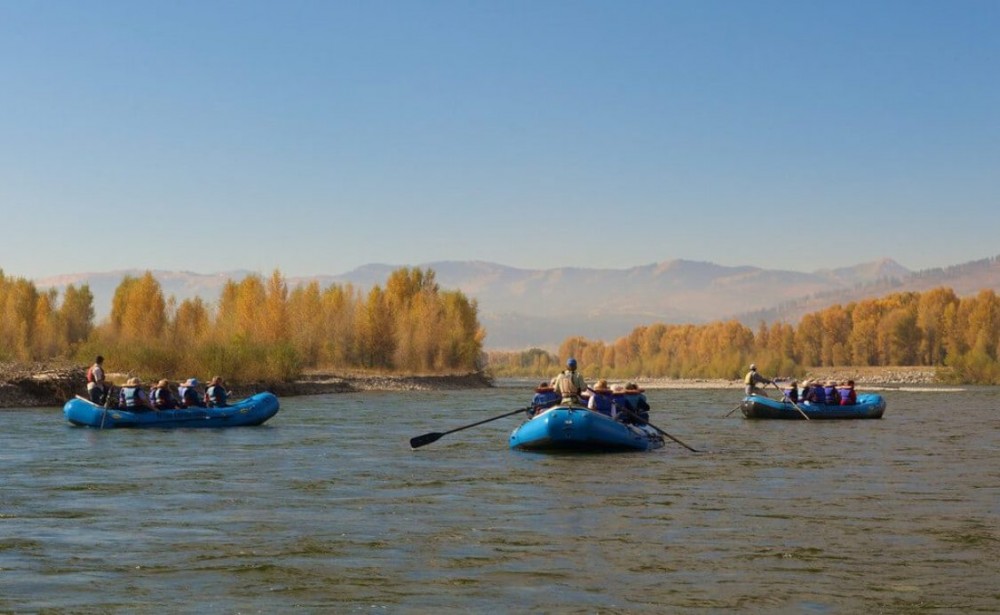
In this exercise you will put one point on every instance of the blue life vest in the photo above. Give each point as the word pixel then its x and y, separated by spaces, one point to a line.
pixel 845 396
pixel 831 395
pixel 546 399
pixel 791 393
pixel 818 395
pixel 603 402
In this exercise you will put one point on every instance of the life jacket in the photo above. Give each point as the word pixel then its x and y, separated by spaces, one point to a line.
pixel 216 396
pixel 189 397
pixel 566 386
pixel 847 396
pixel 791 393
pixel 90 374
pixel 130 395
pixel 832 397
pixel 545 399
pixel 163 399
pixel 603 403
pixel 818 395
pixel 749 378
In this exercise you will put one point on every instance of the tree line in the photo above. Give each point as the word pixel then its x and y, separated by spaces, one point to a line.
pixel 259 329
pixel 935 328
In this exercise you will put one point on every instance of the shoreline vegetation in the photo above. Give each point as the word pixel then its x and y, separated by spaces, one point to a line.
pixel 52 384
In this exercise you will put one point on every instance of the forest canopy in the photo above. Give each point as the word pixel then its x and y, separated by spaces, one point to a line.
pixel 259 329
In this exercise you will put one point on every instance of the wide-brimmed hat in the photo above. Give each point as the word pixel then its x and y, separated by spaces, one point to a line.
pixel 191 382
pixel 544 387
pixel 216 380
pixel 618 388
pixel 601 386
pixel 632 387
pixel 163 383
pixel 133 381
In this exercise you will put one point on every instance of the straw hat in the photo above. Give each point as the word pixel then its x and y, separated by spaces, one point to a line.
pixel 163 383
pixel 601 386
pixel 543 388
pixel 633 388
pixel 618 388
pixel 191 382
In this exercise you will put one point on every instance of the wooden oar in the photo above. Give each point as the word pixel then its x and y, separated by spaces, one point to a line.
pixel 795 405
pixel 636 417
pixel 434 436
pixel 738 406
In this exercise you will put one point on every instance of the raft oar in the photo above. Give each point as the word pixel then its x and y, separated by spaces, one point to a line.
pixel 795 405
pixel 434 436
pixel 734 409
pixel 636 417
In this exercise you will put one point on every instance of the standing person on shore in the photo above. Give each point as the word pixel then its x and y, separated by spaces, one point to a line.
pixel 96 387
pixel 752 379
pixel 569 383
pixel 216 395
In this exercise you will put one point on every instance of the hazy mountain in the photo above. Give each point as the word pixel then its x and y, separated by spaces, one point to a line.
pixel 542 307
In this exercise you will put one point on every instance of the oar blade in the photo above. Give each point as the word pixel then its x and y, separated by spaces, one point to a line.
pixel 425 439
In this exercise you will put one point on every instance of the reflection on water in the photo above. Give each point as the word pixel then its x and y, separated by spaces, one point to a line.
pixel 326 507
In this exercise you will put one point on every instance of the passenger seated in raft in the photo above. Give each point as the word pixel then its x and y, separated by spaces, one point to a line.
pixel 621 407
pixel 832 396
pixel 791 392
pixel 216 395
pixel 163 397
pixel 636 398
pixel 133 398
pixel 815 394
pixel 190 398
pixel 545 397
pixel 601 399
pixel 848 396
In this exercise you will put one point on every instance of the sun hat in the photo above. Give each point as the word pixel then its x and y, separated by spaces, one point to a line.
pixel 543 388
pixel 191 382
pixel 633 388
pixel 163 383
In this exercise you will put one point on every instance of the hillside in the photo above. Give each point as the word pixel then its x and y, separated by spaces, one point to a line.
pixel 542 307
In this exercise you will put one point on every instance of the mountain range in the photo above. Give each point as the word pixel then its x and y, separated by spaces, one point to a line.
pixel 522 308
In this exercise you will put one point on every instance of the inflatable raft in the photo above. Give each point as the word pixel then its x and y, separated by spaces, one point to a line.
pixel 575 428
pixel 253 410
pixel 869 406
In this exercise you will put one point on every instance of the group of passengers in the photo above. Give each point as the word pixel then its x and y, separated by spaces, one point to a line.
pixel 626 403
pixel 132 396
pixel 831 393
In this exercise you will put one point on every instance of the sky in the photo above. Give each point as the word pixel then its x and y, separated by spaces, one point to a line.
pixel 314 137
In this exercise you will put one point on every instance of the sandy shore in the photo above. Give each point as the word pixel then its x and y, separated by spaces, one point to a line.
pixel 37 385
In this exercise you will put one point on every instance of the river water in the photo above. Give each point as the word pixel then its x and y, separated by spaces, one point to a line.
pixel 326 509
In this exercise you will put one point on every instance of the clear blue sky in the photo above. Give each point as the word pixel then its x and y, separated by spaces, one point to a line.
pixel 314 137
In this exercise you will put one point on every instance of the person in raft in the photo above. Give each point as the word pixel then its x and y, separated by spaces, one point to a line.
pixel 163 397
pixel 791 391
pixel 752 379
pixel 96 387
pixel 545 397
pixel 569 383
pixel 601 399
pixel 636 399
pixel 190 398
pixel 133 398
pixel 848 396
pixel 216 395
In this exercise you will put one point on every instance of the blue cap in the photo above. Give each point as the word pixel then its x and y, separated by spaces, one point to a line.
pixel 571 362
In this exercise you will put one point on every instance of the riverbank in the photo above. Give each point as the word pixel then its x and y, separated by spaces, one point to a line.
pixel 51 384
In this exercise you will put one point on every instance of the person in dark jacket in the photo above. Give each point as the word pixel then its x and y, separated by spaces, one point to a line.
pixel 216 395
pixel 545 397
pixel 162 397
pixel 190 397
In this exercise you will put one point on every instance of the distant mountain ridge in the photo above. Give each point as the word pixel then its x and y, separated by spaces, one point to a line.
pixel 521 308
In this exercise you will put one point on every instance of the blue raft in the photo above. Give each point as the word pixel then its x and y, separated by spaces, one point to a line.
pixel 253 410
pixel 869 406
pixel 575 428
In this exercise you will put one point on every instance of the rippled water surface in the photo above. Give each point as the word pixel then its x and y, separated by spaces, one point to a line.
pixel 326 508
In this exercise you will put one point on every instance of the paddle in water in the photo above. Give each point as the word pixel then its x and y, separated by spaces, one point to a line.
pixel 795 405
pixel 636 417
pixel 434 436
